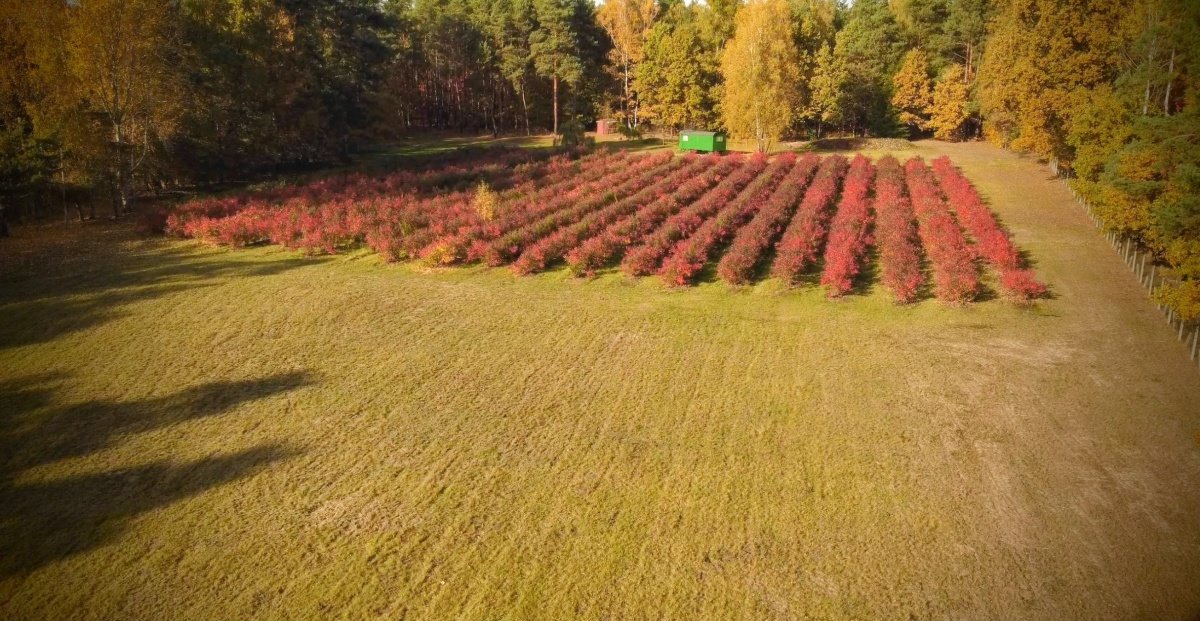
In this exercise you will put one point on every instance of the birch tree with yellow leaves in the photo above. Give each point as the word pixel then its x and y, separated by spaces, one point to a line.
pixel 763 73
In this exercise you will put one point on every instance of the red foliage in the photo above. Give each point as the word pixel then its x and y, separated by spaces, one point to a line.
pixel 447 238
pixel 597 250
pixel 848 233
pixel 511 244
pixel 448 173
pixel 646 258
pixel 801 242
pixel 737 266
pixel 552 247
pixel 895 232
pixel 1021 284
pixel 955 275
pixel 689 255
pixel 991 240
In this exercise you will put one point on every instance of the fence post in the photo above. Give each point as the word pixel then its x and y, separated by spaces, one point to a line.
pixel 1152 268
pixel 1195 342
pixel 1181 322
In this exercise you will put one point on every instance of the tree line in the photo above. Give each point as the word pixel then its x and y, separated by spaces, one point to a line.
pixel 117 97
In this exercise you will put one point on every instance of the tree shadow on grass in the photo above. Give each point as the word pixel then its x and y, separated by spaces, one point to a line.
pixel 53 296
pixel 48 520
pixel 837 144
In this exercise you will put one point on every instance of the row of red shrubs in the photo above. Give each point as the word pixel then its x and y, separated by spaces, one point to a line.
pixel 849 233
pixel 991 241
pixel 955 274
pixel 509 245
pixel 595 252
pixel 753 240
pixel 498 166
pixel 896 232
pixel 440 219
pixel 665 214
pixel 331 214
pixel 802 240
pixel 646 257
pixel 468 240
pixel 553 246
pixel 689 255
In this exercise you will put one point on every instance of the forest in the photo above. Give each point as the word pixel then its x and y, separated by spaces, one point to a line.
pixel 106 100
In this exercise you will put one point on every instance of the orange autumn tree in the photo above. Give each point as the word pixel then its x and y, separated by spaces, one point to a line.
pixel 912 93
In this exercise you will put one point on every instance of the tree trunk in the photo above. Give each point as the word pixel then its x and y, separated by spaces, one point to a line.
pixel 625 100
pixel 1150 54
pixel 122 199
pixel 1170 78
pixel 555 132
pixel 525 109
pixel 62 179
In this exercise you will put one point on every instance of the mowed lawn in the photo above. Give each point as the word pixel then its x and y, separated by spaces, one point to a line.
pixel 190 432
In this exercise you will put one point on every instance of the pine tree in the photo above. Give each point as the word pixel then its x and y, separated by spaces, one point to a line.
pixel 826 85
pixel 762 71
pixel 554 47
pixel 869 48
pixel 912 91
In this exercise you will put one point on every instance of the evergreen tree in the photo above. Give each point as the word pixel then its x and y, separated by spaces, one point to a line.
pixel 869 48
pixel 554 47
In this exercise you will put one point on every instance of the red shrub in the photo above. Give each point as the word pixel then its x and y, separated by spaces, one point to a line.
pixel 552 247
pixel 991 240
pixel 511 244
pixel 955 275
pixel 646 258
pixel 689 255
pixel 848 233
pixel 895 232
pixel 597 250
pixel 801 242
pixel 737 266
pixel 1021 284
pixel 469 241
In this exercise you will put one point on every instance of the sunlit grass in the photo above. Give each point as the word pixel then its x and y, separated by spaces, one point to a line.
pixel 196 433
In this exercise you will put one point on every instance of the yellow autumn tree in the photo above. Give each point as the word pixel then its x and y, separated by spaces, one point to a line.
pixel 1039 53
pixel 912 91
pixel 628 23
pixel 762 70
pixel 950 108
pixel 118 54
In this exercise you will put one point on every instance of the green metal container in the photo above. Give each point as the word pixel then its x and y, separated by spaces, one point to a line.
pixel 702 142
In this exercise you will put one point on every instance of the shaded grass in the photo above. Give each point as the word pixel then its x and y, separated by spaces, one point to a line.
pixel 252 434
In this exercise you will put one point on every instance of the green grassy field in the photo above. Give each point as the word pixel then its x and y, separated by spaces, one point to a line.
pixel 198 433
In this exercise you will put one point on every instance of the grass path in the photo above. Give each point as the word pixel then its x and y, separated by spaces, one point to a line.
pixel 196 433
